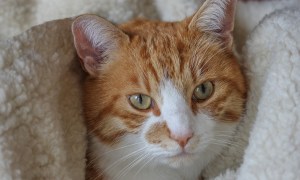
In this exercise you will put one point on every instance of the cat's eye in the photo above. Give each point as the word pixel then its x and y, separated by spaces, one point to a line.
pixel 140 101
pixel 203 91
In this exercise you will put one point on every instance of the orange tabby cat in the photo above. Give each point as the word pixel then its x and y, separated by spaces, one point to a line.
pixel 162 98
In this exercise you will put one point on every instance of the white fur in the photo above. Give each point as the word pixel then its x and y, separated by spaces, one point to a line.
pixel 175 111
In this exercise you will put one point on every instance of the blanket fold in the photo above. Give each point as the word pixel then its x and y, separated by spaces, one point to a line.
pixel 42 135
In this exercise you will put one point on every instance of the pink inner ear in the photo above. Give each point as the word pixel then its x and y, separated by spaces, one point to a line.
pixel 216 17
pixel 90 57
pixel 228 22
pixel 90 66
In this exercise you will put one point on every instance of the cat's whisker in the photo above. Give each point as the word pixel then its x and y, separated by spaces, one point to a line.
pixel 224 131
pixel 213 150
pixel 236 140
pixel 131 165
pixel 229 143
pixel 111 151
pixel 223 135
pixel 230 139
pixel 144 165
pixel 225 144
pixel 215 143
pixel 228 146
pixel 230 136
pixel 234 144
pixel 121 148
pixel 210 139
pixel 121 160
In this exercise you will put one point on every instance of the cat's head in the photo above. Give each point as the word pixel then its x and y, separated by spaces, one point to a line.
pixel 171 90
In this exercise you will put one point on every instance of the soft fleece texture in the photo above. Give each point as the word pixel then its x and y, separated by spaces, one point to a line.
pixel 272 62
pixel 42 134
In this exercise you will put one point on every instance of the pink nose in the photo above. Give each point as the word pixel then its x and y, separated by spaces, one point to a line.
pixel 182 139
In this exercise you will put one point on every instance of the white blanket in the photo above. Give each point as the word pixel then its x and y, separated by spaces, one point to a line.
pixel 42 134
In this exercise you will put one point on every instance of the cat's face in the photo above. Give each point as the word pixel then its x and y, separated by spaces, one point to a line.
pixel 169 93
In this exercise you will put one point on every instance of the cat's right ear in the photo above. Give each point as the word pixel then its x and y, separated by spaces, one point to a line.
pixel 216 17
pixel 95 39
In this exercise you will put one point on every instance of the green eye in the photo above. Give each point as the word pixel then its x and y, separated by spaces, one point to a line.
pixel 140 101
pixel 203 91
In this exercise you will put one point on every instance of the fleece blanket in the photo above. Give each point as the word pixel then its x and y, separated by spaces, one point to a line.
pixel 42 134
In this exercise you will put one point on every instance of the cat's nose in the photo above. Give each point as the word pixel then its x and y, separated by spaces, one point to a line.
pixel 182 139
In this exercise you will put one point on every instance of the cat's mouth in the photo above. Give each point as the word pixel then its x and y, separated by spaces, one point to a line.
pixel 180 159
pixel 182 156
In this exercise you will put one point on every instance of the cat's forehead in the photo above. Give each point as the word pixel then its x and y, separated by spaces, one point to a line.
pixel 150 28
pixel 161 40
pixel 158 51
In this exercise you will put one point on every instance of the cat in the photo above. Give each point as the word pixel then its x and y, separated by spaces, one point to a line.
pixel 161 99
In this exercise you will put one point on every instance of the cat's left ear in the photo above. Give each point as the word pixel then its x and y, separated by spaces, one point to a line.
pixel 96 40
pixel 216 17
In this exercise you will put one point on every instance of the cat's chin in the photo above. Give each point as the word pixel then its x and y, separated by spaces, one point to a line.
pixel 180 160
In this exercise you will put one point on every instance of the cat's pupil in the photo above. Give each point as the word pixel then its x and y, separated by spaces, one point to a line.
pixel 140 98
pixel 203 88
